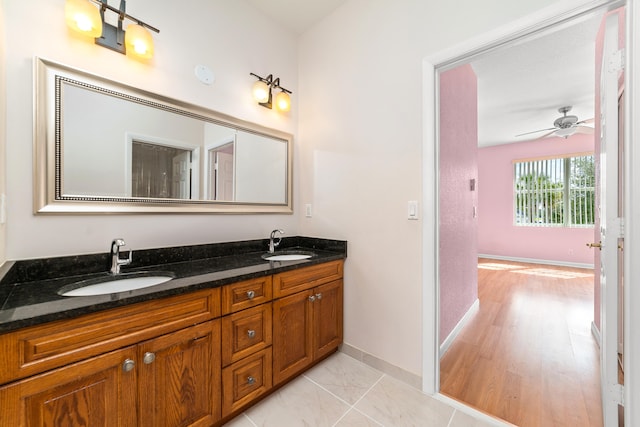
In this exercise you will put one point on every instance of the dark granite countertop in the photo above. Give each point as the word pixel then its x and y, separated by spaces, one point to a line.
pixel 29 289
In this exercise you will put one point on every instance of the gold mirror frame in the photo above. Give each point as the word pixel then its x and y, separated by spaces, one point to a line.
pixel 48 179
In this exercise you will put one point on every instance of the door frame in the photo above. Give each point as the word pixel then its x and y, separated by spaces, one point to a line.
pixel 551 16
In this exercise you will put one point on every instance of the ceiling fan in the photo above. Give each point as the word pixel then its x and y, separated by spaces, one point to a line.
pixel 564 126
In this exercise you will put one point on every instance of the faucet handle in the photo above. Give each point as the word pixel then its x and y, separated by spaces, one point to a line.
pixel 126 261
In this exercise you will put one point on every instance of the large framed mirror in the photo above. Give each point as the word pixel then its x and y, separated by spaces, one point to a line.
pixel 105 147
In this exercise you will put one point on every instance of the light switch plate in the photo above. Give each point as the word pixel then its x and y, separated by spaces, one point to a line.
pixel 307 210
pixel 412 208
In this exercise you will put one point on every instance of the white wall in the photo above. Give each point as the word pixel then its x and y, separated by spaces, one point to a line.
pixel 360 132
pixel 230 37
pixel 358 150
pixel 3 111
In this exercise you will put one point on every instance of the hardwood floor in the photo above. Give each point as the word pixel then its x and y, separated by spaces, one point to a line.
pixel 528 355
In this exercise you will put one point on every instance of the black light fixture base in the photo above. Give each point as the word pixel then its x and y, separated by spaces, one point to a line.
pixel 112 38
pixel 269 103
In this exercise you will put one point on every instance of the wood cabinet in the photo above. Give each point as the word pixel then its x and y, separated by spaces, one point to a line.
pixel 36 349
pixel 307 322
pixel 189 360
pixel 94 392
pixel 170 379
pixel 246 343
pixel 179 378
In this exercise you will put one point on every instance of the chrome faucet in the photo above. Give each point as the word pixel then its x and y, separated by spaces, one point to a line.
pixel 116 261
pixel 274 244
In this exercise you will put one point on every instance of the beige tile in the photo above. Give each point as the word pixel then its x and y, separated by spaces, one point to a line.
pixel 394 403
pixel 354 418
pixel 344 376
pixel 239 421
pixel 299 403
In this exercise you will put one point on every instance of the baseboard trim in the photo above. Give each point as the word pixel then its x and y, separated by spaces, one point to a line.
pixel 381 365
pixel 461 324
pixel 596 334
pixel 537 261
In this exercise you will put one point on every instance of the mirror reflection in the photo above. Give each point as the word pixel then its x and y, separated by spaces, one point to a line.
pixel 116 144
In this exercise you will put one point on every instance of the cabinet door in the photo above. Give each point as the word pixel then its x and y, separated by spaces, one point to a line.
pixel 327 318
pixel 95 392
pixel 292 335
pixel 179 378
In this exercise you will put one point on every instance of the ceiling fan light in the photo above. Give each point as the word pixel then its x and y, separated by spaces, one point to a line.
pixel 566 132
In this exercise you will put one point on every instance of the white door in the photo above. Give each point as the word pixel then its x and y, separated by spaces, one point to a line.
pixel 181 179
pixel 224 176
pixel 610 224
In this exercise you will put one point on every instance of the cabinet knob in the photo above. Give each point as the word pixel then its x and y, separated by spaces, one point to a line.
pixel 312 298
pixel 319 296
pixel 251 333
pixel 149 358
pixel 251 380
pixel 251 294
pixel 128 365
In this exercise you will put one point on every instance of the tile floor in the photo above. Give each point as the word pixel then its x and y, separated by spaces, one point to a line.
pixel 344 392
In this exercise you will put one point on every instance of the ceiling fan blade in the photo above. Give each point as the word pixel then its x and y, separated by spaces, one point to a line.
pixel 584 129
pixel 585 121
pixel 546 135
pixel 536 131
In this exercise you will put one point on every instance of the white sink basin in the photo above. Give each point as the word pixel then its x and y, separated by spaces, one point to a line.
pixel 113 284
pixel 287 255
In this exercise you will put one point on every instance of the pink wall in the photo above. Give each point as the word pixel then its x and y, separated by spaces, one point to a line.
pixel 497 235
pixel 458 165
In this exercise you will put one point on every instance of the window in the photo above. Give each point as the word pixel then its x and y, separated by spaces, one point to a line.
pixel 555 192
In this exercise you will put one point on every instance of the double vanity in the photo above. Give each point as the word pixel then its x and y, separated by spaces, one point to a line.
pixel 228 325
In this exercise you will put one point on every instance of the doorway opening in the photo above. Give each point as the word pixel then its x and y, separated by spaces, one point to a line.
pixel 431 380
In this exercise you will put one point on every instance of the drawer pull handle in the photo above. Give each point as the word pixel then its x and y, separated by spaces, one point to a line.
pixel 251 380
pixel 312 298
pixel 251 294
pixel 251 333
pixel 149 358
pixel 319 296
pixel 128 365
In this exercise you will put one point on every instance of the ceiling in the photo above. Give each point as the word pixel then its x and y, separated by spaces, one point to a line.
pixel 296 15
pixel 520 86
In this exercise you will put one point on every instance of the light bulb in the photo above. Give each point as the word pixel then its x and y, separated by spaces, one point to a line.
pixel 82 16
pixel 138 41
pixel 283 101
pixel 260 91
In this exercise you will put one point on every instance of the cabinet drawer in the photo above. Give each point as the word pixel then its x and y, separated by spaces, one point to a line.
pixel 294 281
pixel 39 348
pixel 245 332
pixel 245 380
pixel 249 293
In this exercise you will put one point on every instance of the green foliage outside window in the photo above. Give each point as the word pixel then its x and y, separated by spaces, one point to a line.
pixel 555 192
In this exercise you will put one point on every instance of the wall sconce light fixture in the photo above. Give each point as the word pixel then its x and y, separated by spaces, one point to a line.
pixel 262 93
pixel 84 17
